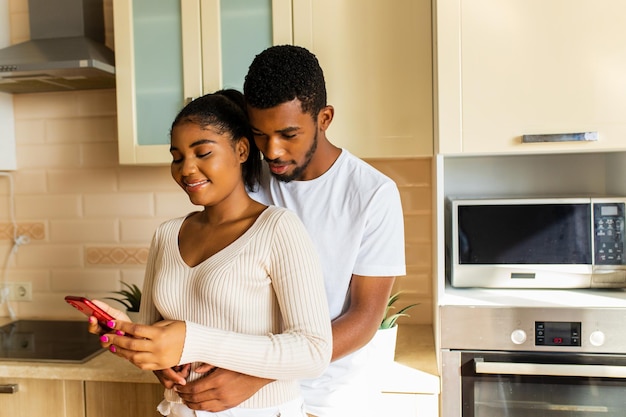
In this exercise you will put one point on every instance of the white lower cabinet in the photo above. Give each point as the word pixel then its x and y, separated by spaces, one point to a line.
pixel 41 397
pixel 107 399
pixel 65 398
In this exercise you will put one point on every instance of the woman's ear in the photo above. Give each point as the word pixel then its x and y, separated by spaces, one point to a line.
pixel 243 149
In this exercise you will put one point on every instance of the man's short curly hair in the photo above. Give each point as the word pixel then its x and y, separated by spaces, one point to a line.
pixel 283 73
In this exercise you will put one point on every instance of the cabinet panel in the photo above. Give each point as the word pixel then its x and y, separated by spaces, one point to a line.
pixel 522 67
pixel 377 60
pixel 106 399
pixel 171 52
pixel 41 397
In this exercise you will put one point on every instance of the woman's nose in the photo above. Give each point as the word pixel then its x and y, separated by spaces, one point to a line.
pixel 188 167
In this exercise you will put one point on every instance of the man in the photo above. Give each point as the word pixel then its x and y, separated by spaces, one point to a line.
pixel 352 213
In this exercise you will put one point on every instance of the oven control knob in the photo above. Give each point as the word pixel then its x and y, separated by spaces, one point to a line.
pixel 596 338
pixel 518 336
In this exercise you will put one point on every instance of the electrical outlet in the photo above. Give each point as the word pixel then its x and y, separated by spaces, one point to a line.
pixel 20 291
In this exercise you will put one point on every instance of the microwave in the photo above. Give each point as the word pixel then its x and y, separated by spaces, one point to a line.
pixel 536 243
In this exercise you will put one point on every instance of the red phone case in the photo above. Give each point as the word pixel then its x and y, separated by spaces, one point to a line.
pixel 87 307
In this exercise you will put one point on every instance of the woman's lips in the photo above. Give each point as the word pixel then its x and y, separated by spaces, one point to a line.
pixel 193 186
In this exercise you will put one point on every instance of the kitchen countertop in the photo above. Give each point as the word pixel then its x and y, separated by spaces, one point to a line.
pixel 414 369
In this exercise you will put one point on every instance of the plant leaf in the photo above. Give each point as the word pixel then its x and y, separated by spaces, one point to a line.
pixel 130 297
pixel 389 320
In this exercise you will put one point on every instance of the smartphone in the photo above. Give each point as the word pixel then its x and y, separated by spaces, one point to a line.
pixel 87 307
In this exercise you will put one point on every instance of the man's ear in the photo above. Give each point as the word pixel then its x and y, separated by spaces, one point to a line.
pixel 324 117
pixel 243 149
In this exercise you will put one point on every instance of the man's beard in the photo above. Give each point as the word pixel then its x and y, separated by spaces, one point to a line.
pixel 298 170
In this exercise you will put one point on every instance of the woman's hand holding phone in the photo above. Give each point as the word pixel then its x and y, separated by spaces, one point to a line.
pixel 100 314
pixel 154 347
pixel 96 327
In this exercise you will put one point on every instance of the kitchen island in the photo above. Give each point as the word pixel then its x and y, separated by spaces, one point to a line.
pixel 411 383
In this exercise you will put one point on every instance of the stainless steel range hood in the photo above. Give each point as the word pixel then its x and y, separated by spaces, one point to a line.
pixel 66 51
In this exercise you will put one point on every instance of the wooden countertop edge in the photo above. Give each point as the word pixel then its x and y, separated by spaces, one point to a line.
pixel 414 369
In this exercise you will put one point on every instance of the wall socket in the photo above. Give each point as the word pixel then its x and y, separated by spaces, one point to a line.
pixel 20 291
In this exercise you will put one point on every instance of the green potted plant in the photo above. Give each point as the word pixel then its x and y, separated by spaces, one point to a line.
pixel 384 341
pixel 389 320
pixel 129 297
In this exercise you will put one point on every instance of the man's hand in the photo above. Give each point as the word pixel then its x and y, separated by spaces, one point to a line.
pixel 173 376
pixel 219 390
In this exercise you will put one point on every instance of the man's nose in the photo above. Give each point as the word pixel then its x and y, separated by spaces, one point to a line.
pixel 272 148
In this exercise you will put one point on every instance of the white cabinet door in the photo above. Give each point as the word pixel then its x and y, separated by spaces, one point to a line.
pixel 131 399
pixel 377 60
pixel 41 397
pixel 170 51
pixel 509 68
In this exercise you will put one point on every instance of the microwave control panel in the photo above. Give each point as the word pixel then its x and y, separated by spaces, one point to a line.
pixel 608 228
pixel 557 333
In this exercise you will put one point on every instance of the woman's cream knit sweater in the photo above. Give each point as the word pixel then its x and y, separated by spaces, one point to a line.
pixel 257 307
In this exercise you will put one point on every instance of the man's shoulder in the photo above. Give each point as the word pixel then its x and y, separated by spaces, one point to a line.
pixel 362 174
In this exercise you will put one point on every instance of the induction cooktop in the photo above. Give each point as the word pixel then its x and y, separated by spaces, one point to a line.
pixel 47 341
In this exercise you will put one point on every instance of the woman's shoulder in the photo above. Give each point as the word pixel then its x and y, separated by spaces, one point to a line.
pixel 173 224
pixel 277 214
pixel 274 213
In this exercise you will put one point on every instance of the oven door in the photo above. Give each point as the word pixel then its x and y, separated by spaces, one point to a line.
pixel 525 384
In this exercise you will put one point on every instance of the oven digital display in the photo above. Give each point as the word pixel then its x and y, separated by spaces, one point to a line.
pixel 557 333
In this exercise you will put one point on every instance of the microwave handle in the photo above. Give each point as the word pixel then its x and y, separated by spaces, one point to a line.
pixel 543 369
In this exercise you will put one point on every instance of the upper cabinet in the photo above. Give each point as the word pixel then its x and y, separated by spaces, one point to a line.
pixel 168 52
pixel 377 59
pixel 530 76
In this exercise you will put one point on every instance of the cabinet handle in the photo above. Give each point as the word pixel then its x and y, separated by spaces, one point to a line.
pixel 550 369
pixel 8 388
pixel 561 137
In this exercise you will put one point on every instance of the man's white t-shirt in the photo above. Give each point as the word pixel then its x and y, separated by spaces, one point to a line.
pixel 353 214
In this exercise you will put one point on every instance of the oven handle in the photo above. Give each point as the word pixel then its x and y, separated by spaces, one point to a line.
pixel 543 369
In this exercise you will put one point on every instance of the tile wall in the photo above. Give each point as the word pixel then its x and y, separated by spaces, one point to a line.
pixel 90 220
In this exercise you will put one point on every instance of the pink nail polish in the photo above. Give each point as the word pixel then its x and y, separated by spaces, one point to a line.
pixel 110 324
pixel 104 338
pixel 112 349
pixel 119 333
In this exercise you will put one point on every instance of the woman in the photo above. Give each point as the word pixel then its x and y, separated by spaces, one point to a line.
pixel 237 285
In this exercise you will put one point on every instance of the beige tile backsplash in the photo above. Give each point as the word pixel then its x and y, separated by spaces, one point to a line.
pixel 90 220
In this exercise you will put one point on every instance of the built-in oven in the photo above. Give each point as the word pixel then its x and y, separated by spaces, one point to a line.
pixel 533 362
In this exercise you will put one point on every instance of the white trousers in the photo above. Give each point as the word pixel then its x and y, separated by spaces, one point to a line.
pixel 293 408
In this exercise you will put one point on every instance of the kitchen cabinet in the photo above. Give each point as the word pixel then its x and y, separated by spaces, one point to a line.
pixel 377 60
pixel 65 398
pixel 530 67
pixel 42 397
pixel 169 52
pixel 121 399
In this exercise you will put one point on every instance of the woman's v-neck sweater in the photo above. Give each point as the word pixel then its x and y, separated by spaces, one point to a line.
pixel 257 307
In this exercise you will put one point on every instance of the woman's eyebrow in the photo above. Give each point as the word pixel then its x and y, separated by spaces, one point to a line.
pixel 196 143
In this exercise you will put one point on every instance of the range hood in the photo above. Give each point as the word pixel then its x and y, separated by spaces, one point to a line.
pixel 66 50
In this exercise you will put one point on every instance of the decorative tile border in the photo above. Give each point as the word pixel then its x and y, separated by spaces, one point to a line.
pixel 35 231
pixel 116 256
